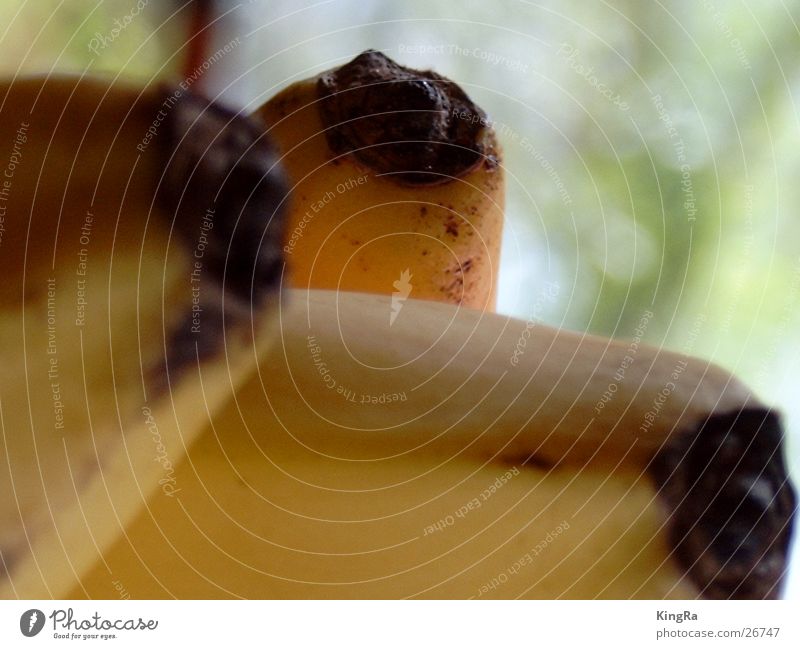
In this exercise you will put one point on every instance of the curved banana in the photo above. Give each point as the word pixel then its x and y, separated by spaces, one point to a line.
pixel 369 459
pixel 115 298
pixel 424 455
pixel 395 177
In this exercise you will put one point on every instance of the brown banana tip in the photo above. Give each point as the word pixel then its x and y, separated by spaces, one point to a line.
pixel 731 504
pixel 417 126
pixel 225 191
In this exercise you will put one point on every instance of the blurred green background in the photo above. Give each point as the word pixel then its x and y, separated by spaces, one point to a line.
pixel 651 148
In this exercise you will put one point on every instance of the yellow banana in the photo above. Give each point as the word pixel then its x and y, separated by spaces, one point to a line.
pixel 375 460
pixel 106 373
pixel 429 454
pixel 395 176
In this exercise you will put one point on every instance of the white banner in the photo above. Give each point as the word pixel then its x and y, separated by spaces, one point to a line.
pixel 401 624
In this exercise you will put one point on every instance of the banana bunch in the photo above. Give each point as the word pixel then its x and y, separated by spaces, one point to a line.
pixel 389 171
pixel 226 428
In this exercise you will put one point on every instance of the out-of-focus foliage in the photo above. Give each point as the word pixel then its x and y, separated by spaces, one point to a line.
pixel 139 37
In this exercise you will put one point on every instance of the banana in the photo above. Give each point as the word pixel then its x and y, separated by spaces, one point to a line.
pixel 367 452
pixel 414 459
pixel 395 176
pixel 107 339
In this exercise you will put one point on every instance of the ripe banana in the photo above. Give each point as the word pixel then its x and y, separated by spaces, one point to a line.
pixel 116 298
pixel 395 176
